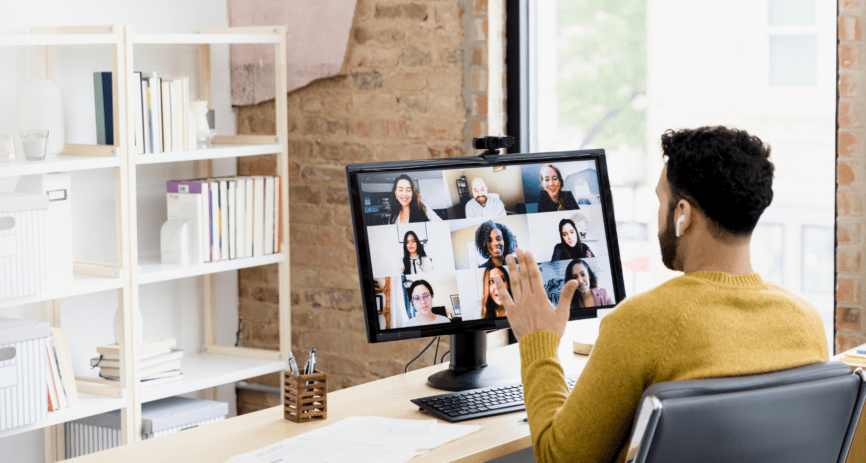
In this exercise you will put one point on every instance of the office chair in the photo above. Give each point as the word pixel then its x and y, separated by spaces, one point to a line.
pixel 806 414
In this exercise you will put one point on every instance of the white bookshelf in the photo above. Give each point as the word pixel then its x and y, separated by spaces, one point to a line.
pixel 132 275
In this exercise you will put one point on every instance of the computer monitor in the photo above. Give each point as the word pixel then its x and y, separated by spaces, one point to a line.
pixel 430 234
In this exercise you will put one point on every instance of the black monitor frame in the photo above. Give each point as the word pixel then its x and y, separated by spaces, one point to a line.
pixel 355 171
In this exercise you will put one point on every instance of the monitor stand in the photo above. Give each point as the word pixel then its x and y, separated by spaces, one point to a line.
pixel 468 368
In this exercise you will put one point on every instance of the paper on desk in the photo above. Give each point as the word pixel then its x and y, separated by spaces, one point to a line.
pixel 361 439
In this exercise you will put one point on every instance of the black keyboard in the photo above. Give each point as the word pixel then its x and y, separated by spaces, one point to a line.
pixel 477 403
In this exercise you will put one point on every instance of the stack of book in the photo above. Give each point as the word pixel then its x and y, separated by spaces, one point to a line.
pixel 158 363
pixel 62 391
pixel 230 217
pixel 855 357
pixel 160 111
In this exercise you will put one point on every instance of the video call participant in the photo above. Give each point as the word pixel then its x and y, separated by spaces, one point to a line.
pixel 491 303
pixel 570 245
pixel 494 241
pixel 552 197
pixel 415 260
pixel 718 319
pixel 421 295
pixel 406 205
pixel 588 293
pixel 482 205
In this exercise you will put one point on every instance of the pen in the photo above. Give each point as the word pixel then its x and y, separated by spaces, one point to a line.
pixel 310 366
pixel 293 365
pixel 523 420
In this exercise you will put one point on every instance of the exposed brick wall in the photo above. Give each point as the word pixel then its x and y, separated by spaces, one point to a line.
pixel 851 178
pixel 404 97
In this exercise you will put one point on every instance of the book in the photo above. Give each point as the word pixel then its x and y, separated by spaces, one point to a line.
pixel 232 226
pixel 179 112
pixel 240 217
pixel 278 208
pixel 172 354
pixel 214 220
pixel 147 345
pixel 154 98
pixel 103 97
pixel 144 372
pixel 55 389
pixel 166 87
pixel 188 201
pixel 269 215
pixel 137 112
pixel 258 216
pixel 64 362
pixel 145 114
pixel 94 362
pixel 224 218
pixel 248 220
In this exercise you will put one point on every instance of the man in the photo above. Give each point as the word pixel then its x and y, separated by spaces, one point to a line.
pixel 718 319
pixel 482 205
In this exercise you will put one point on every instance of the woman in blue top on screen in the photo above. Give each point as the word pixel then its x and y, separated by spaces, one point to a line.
pixel 588 293
pixel 415 260
pixel 491 303
pixel 494 241
pixel 552 197
pixel 421 294
pixel 570 246
pixel 406 205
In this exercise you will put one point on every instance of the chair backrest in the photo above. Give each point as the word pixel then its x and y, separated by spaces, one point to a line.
pixel 806 414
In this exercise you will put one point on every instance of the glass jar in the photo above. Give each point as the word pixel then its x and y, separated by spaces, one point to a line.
pixel 7 147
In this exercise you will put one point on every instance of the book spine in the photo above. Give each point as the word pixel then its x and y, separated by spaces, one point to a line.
pixel 99 106
pixel 241 217
pixel 248 212
pixel 138 108
pixel 108 104
pixel 269 216
pixel 146 115
pixel 166 116
pixel 215 220
pixel 224 219
pixel 232 200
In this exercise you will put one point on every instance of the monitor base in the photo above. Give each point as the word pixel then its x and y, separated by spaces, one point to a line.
pixel 486 376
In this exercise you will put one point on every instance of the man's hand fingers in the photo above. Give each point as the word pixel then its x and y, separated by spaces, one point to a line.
pixel 533 272
pixel 513 273
pixel 507 302
pixel 563 309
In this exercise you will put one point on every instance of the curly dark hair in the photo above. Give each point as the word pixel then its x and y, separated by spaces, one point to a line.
pixel 482 237
pixel 577 300
pixel 724 172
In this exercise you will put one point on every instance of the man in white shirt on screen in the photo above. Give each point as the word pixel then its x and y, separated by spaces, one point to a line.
pixel 483 205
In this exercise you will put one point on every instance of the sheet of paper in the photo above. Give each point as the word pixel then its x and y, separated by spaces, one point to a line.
pixel 391 432
pixel 307 451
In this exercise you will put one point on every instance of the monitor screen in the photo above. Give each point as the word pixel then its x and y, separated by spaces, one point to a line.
pixel 430 235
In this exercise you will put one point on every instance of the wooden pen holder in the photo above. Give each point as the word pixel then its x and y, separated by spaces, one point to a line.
pixel 305 397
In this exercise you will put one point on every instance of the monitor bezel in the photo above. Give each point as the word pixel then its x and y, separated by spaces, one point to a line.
pixel 362 251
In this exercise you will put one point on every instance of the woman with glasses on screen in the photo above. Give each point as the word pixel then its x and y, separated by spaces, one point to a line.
pixel 491 303
pixel 421 295
pixel 570 246
pixel 415 260
pixel 588 293
pixel 552 197
pixel 406 205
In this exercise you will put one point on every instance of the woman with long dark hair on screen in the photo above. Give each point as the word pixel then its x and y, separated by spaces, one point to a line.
pixel 406 205
pixel 588 293
pixel 552 196
pixel 415 260
pixel 491 302
pixel 570 246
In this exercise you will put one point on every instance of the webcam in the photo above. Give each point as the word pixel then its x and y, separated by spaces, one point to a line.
pixel 492 143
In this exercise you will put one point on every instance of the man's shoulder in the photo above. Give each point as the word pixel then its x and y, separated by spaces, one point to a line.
pixel 661 300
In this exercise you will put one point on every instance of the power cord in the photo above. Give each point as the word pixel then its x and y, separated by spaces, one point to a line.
pixel 436 352
pixel 443 356
pixel 406 370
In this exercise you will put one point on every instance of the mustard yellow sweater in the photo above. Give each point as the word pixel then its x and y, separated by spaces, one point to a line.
pixel 699 325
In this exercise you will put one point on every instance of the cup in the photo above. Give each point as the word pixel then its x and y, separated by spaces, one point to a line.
pixel 7 147
pixel 35 143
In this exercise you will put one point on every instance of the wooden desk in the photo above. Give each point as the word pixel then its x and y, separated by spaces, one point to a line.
pixel 389 397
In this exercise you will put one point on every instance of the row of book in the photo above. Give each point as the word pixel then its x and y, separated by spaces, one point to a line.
pixel 231 217
pixel 62 391
pixel 160 112
pixel 159 361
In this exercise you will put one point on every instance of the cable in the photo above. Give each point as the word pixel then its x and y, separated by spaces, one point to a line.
pixel 436 352
pixel 443 356
pixel 406 370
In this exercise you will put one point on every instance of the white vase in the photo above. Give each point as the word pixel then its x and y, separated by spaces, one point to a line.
pixel 41 108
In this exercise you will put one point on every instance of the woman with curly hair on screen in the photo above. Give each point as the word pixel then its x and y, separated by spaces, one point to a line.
pixel 570 246
pixel 552 197
pixel 491 302
pixel 588 293
pixel 494 241
pixel 415 260
pixel 406 205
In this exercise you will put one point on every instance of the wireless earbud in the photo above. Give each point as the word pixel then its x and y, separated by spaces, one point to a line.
pixel 679 224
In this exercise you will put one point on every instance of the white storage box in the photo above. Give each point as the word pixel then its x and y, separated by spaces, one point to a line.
pixel 23 372
pixel 58 223
pixel 22 244
pixel 158 418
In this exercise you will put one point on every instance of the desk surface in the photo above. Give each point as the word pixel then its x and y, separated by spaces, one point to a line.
pixel 389 397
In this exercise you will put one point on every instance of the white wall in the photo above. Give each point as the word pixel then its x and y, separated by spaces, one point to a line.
pixel 168 309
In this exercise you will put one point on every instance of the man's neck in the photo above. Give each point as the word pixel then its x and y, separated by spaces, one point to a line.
pixel 718 256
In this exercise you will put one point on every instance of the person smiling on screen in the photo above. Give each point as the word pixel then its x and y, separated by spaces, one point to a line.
pixel 552 197
pixel 494 241
pixel 406 205
pixel 570 245
pixel 588 293
pixel 421 295
pixel 483 204
pixel 415 259
pixel 491 303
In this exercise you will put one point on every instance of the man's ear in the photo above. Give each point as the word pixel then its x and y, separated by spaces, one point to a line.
pixel 687 212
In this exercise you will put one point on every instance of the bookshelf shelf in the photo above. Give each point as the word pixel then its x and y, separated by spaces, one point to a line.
pixel 202 371
pixel 81 284
pixel 203 39
pixel 151 271
pixel 62 163
pixel 214 152
pixel 89 405
pixel 59 39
